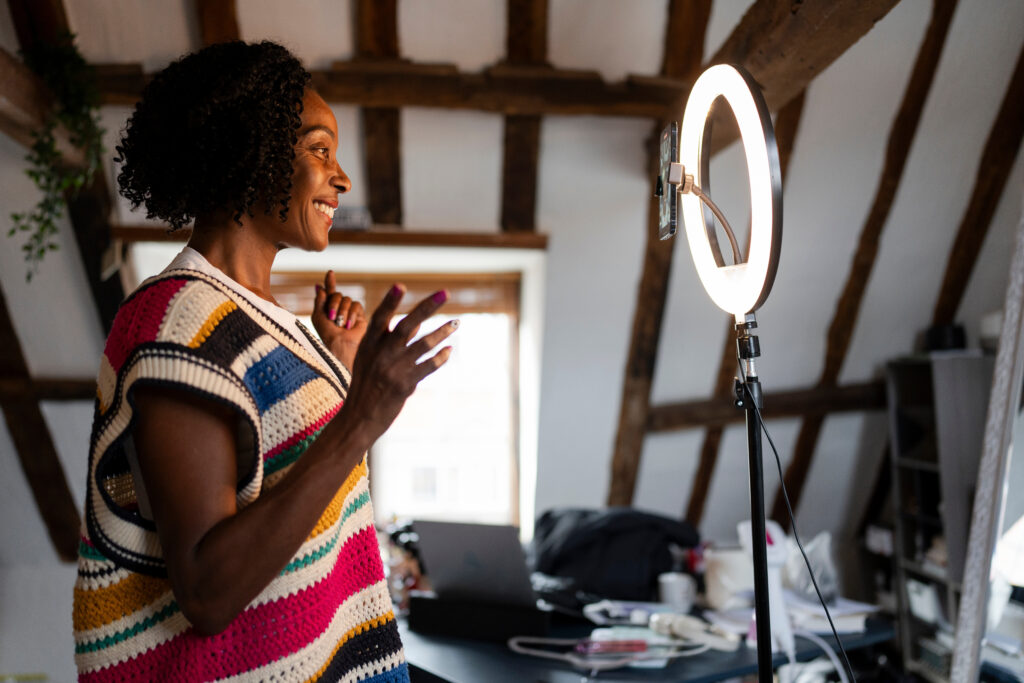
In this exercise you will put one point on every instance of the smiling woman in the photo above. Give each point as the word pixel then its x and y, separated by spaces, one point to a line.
pixel 229 530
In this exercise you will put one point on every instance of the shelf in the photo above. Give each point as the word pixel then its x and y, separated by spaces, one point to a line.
pixel 925 571
pixel 925 672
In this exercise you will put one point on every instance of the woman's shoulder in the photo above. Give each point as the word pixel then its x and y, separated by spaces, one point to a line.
pixel 178 307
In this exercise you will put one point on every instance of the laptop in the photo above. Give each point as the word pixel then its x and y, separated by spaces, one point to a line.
pixel 479 562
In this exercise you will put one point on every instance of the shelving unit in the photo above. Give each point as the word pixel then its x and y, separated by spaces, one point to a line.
pixel 937 406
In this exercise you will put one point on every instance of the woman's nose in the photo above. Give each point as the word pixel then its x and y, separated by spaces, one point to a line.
pixel 341 181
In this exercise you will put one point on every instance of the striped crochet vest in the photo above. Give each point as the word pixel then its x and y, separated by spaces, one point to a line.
pixel 328 615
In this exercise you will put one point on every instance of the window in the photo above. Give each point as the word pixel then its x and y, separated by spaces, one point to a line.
pixel 452 452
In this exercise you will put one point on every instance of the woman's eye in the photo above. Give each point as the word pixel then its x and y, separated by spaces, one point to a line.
pixel 322 151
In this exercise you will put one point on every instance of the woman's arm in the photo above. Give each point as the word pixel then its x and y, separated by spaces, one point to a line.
pixel 219 558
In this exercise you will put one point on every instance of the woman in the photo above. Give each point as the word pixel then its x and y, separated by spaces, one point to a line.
pixel 228 527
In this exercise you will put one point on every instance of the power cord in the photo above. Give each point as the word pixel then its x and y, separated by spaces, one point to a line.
pixel 792 520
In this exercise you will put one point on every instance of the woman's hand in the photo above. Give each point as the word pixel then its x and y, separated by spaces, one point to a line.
pixel 340 321
pixel 387 367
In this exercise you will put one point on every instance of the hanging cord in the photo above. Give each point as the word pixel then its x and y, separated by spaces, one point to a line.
pixel 792 520
pixel 695 189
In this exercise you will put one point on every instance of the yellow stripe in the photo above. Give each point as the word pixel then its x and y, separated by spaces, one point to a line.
pixel 102 606
pixel 334 508
pixel 361 628
pixel 211 322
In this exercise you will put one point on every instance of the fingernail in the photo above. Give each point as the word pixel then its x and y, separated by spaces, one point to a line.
pixel 441 297
pixel 395 290
pixel 318 288
pixel 454 323
pixel 331 315
pixel 348 324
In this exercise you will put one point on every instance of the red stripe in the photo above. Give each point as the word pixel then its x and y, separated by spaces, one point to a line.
pixel 299 436
pixel 259 635
pixel 139 320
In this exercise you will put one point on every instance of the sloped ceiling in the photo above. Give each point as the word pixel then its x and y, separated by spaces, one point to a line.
pixel 592 198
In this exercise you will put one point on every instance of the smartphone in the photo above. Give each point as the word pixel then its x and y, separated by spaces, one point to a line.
pixel 667 193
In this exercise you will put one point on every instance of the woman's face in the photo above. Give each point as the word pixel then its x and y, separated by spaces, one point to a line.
pixel 317 180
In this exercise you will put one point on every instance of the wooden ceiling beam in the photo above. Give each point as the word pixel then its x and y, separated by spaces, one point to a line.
pixel 994 169
pixel 379 235
pixel 844 319
pixel 682 54
pixel 503 88
pixel 526 45
pixel 787 123
pixel 34 446
pixel 376 38
pixel 24 105
pixel 814 401
pixel 218 21
pixel 15 387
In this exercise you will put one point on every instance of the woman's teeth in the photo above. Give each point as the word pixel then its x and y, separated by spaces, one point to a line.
pixel 325 209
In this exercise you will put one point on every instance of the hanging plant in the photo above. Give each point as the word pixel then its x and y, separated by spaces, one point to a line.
pixel 72 82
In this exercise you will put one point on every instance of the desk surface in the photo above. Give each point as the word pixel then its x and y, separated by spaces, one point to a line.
pixel 458 660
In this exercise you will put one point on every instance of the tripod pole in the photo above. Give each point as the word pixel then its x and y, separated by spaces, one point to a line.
pixel 748 348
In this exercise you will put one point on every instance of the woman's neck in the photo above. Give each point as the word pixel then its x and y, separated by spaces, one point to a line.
pixel 238 251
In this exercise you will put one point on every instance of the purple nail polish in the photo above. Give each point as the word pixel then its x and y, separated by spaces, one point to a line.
pixel 331 315
pixel 441 297
pixel 318 288
pixel 395 290
pixel 349 323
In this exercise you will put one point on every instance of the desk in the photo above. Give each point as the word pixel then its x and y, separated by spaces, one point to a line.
pixel 456 660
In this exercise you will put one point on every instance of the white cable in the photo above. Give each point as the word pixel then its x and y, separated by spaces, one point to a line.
pixel 829 652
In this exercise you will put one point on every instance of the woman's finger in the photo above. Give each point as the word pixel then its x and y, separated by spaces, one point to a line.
pixel 333 303
pixel 385 311
pixel 344 311
pixel 329 282
pixel 430 365
pixel 429 341
pixel 424 309
pixel 356 315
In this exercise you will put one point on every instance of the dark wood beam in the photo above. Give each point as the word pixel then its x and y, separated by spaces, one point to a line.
pixel 785 45
pixel 844 319
pixel 47 388
pixel 527 45
pixel 34 446
pixel 997 159
pixel 377 39
pixel 502 88
pixel 814 401
pixel 787 123
pixel 24 105
pixel 387 236
pixel 218 21
pixel 682 56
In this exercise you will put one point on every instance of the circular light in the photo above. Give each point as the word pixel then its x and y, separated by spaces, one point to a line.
pixel 743 287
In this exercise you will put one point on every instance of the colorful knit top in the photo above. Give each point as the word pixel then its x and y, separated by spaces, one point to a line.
pixel 328 615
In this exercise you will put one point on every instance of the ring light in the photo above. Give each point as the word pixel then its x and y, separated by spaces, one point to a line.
pixel 740 288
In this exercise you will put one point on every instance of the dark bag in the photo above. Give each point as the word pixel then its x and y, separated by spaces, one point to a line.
pixel 615 553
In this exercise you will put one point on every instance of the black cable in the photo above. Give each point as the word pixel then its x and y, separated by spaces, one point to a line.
pixel 792 519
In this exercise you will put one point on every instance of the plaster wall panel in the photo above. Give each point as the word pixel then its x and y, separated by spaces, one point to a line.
pixel 592 203
pixel 351 154
pixel 940 174
pixel 724 18
pixel 70 424
pixel 613 38
pixel 986 290
pixel 35 622
pixel 838 155
pixel 54 314
pixel 153 33
pixel 429 31
pixel 26 541
pixel 451 169
pixel 668 466
pixel 728 501
pixel 318 32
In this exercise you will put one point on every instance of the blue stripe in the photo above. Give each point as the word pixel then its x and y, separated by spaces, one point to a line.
pixel 277 375
pixel 399 674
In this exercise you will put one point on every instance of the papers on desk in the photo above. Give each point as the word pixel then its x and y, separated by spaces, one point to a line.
pixel 849 616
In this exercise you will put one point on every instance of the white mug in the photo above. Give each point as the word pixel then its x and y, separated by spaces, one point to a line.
pixel 677 589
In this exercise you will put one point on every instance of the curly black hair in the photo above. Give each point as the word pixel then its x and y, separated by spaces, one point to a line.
pixel 215 130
